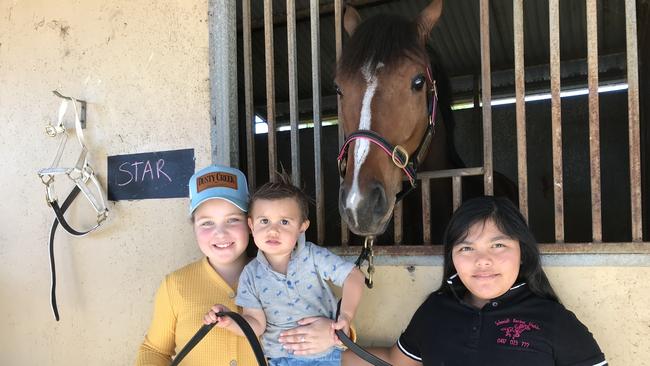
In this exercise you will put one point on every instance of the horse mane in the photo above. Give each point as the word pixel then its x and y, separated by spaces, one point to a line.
pixel 386 38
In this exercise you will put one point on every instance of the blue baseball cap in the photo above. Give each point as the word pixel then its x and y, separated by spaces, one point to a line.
pixel 222 182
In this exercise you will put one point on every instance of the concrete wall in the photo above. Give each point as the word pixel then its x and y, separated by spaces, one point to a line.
pixel 143 68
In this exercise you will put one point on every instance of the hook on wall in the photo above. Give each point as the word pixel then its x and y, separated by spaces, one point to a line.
pixel 82 112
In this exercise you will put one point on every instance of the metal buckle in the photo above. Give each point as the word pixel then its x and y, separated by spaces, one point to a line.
pixel 53 131
pixel 49 180
pixel 343 165
pixel 50 195
pixel 75 174
pixel 367 245
pixel 102 216
pixel 404 155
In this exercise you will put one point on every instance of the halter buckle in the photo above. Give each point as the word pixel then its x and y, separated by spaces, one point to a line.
pixel 102 216
pixel 49 180
pixel 400 153
pixel 367 247
pixel 50 195
pixel 53 131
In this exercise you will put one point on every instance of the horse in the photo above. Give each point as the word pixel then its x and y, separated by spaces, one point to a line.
pixel 392 98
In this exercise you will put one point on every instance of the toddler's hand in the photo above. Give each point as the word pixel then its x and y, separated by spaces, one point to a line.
pixel 343 323
pixel 221 321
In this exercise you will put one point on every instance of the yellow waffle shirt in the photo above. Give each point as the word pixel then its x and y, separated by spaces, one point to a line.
pixel 182 300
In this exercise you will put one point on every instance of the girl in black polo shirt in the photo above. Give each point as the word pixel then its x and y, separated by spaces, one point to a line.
pixel 495 305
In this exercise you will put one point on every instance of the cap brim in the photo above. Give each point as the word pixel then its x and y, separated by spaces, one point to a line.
pixel 228 199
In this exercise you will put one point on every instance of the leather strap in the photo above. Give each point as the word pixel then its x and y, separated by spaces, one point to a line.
pixel 68 201
pixel 59 211
pixel 358 350
pixel 205 329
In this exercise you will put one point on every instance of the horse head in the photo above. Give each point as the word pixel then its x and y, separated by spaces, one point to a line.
pixel 385 96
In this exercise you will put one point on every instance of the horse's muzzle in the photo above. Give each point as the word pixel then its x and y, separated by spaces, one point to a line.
pixel 365 212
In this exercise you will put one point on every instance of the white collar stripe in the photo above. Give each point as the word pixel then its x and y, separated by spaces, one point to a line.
pixel 409 354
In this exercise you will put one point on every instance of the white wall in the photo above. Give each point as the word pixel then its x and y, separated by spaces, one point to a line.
pixel 142 67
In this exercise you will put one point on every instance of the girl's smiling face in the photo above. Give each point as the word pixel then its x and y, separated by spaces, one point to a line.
pixel 487 262
pixel 221 231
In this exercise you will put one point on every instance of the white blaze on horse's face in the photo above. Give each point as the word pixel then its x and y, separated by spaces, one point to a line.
pixel 362 147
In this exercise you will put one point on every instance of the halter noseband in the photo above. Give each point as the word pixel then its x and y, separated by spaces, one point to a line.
pixel 398 153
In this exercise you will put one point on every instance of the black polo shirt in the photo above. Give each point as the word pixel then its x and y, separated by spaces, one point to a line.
pixel 518 328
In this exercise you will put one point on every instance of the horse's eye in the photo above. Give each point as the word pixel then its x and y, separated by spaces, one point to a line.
pixel 338 90
pixel 418 82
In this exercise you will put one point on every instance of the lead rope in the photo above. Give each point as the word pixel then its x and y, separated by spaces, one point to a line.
pixel 367 254
pixel 205 329
pixel 358 350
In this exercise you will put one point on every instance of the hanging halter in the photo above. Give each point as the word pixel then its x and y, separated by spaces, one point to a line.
pixel 81 174
pixel 397 153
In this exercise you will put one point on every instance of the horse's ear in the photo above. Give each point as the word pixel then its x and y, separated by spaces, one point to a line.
pixel 351 20
pixel 428 18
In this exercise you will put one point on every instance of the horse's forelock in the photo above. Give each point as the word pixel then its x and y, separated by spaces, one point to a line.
pixel 382 39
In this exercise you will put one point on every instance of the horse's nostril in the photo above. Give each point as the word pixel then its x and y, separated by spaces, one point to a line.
pixel 378 199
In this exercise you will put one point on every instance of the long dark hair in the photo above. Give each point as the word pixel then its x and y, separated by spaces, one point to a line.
pixel 511 222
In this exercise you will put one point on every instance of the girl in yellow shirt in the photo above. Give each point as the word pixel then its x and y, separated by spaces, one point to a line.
pixel 218 206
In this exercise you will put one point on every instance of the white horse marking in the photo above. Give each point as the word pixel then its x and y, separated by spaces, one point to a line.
pixel 361 147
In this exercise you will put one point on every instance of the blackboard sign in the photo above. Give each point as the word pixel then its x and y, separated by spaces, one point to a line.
pixel 161 174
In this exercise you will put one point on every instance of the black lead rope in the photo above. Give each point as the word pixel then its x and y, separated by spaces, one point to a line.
pixel 257 348
pixel 362 353
pixel 205 329
pixel 358 350
pixel 59 214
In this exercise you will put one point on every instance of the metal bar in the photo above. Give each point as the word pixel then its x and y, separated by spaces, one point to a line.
pixel 520 93
pixel 325 10
pixel 556 117
pixel 486 88
pixel 318 137
pixel 398 223
pixel 224 125
pixel 457 191
pixel 248 93
pixel 293 92
pixel 555 248
pixel 594 118
pixel 338 34
pixel 448 173
pixel 634 120
pixel 270 87
pixel 426 210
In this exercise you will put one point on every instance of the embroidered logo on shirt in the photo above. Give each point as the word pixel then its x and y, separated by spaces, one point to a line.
pixel 512 331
